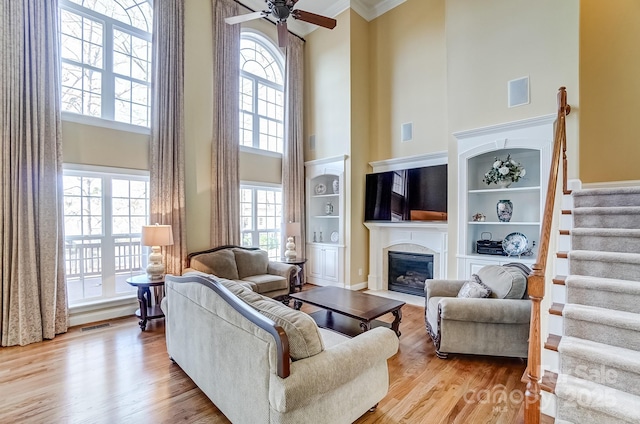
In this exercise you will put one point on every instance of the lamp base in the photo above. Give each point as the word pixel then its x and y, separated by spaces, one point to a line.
pixel 290 253
pixel 155 268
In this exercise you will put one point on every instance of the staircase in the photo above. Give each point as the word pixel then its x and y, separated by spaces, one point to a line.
pixel 592 354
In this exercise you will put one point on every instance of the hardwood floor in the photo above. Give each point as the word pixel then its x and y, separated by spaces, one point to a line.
pixel 118 374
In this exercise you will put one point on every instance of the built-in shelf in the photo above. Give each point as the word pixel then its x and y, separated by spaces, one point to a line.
pixel 325 255
pixel 527 142
pixel 504 223
pixel 326 195
pixel 505 190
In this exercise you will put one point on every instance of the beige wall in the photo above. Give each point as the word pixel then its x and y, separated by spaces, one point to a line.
pixel 99 146
pixel 609 90
pixel 492 42
pixel 327 89
pixel 408 79
pixel 358 164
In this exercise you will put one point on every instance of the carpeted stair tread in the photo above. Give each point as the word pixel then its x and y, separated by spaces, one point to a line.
pixel 607 217
pixel 611 366
pixel 617 265
pixel 606 239
pixel 586 402
pixel 621 196
pixel 621 295
pixel 616 328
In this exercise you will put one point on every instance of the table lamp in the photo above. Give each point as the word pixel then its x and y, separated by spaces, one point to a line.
pixel 293 230
pixel 156 236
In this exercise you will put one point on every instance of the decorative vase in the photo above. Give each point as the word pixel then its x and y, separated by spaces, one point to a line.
pixel 504 208
pixel 505 183
pixel 328 209
pixel 336 186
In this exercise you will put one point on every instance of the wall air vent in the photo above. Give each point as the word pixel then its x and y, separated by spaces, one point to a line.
pixel 518 92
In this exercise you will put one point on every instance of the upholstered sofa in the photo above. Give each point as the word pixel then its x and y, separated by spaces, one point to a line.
pixel 497 325
pixel 260 361
pixel 248 265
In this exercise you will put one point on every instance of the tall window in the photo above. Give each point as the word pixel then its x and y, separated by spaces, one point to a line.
pixel 261 94
pixel 106 59
pixel 261 218
pixel 103 217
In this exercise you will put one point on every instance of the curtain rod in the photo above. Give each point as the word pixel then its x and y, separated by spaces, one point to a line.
pixel 265 18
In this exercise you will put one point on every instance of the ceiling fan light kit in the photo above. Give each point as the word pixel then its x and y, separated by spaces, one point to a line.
pixel 281 10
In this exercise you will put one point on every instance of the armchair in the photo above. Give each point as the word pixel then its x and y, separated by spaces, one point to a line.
pixel 497 325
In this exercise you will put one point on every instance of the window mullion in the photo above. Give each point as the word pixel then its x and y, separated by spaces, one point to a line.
pixel 108 242
pixel 108 81
pixel 256 117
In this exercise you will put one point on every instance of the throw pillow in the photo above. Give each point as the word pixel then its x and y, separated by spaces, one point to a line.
pixel 251 262
pixel 474 289
pixel 505 282
pixel 221 264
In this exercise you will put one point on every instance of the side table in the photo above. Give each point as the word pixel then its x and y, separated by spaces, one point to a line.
pixel 299 262
pixel 149 308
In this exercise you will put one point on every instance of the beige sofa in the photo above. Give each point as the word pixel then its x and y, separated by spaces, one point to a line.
pixel 275 365
pixel 498 325
pixel 248 265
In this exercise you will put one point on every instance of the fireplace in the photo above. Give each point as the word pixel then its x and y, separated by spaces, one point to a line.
pixel 408 271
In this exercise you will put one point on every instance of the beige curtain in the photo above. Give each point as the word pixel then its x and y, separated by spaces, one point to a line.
pixel 225 149
pixel 293 158
pixel 33 294
pixel 167 129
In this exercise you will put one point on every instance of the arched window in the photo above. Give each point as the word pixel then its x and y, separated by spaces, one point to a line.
pixel 261 94
pixel 106 59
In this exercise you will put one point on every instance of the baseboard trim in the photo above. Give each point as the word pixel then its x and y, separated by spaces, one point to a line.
pixel 85 315
pixel 358 286
pixel 612 184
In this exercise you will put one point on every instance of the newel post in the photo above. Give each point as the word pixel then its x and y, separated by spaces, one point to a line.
pixel 532 393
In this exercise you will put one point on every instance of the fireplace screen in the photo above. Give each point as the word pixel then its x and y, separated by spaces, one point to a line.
pixel 408 272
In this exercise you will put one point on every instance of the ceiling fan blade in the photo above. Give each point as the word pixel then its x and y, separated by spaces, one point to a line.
pixel 244 18
pixel 312 18
pixel 283 34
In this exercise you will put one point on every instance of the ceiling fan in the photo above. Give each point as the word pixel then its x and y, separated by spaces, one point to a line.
pixel 281 10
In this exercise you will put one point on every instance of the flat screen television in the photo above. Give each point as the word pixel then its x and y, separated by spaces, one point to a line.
pixel 417 194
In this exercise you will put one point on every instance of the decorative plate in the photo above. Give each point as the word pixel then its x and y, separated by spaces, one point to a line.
pixel 515 244
pixel 334 237
pixel 321 189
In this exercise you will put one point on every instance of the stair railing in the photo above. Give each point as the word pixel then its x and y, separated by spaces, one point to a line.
pixel 536 280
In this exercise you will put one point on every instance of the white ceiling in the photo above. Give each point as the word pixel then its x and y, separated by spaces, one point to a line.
pixel 368 9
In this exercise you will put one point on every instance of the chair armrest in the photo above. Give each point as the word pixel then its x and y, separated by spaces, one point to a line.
pixel 497 311
pixel 443 288
pixel 286 271
pixel 331 368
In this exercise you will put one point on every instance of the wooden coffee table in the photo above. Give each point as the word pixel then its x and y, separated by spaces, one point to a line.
pixel 349 312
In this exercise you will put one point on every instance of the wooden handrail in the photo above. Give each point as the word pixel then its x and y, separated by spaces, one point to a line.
pixel 536 280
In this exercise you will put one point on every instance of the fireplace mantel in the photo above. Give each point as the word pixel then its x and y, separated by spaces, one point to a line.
pixel 405 236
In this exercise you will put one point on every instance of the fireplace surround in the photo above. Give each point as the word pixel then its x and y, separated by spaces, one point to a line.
pixel 427 238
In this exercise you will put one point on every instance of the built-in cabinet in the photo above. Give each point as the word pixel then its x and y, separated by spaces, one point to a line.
pixel 325 221
pixel 527 142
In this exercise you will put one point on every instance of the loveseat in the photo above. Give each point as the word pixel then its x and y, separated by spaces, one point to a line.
pixel 496 325
pixel 260 361
pixel 248 265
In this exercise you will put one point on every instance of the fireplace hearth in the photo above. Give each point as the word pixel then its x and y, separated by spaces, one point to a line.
pixel 408 272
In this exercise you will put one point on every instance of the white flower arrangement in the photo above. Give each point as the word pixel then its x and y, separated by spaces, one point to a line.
pixel 507 170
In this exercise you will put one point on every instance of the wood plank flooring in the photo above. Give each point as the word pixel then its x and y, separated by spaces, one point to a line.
pixel 118 374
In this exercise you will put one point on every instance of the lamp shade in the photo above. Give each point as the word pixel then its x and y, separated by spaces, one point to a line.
pixel 157 235
pixel 292 229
